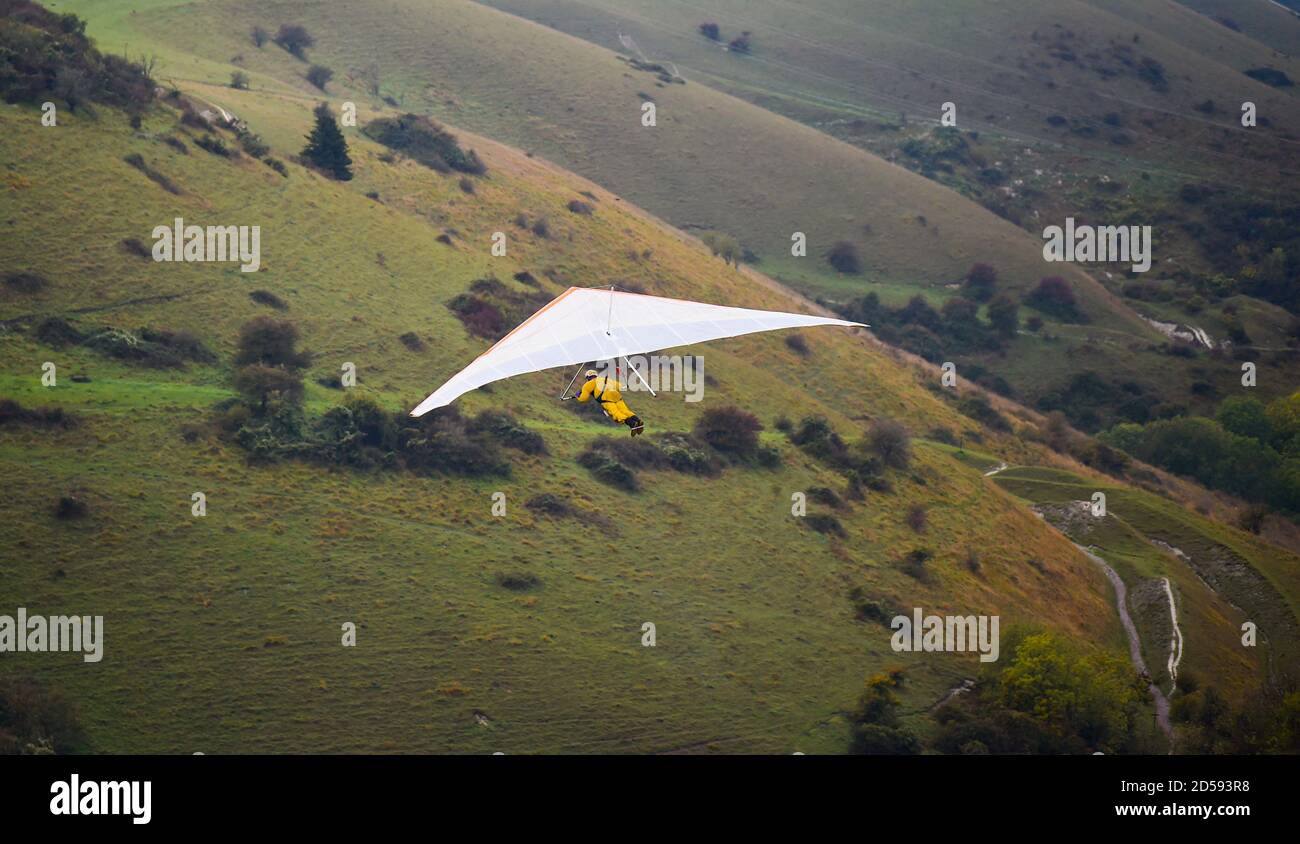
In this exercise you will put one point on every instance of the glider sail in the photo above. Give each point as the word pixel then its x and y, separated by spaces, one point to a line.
pixel 591 324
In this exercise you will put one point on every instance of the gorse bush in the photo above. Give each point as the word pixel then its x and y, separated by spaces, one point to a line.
pixel 730 430
pixel 425 141
pixel 294 38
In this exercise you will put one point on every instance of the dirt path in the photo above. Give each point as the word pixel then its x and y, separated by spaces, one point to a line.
pixel 1134 643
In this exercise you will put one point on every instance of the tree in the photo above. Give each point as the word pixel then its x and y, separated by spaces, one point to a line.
pixel 261 384
pixel 890 442
pixel 729 429
pixel 981 280
pixel 1004 315
pixel 294 38
pixel 843 256
pixel 326 148
pixel 1245 416
pixel 319 75
pixel 270 342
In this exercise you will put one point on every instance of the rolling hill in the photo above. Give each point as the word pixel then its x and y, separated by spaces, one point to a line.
pixel 479 633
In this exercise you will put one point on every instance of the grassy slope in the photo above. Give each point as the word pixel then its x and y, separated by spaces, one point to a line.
pixel 713 161
pixel 1210 622
pixel 223 631
pixel 826 60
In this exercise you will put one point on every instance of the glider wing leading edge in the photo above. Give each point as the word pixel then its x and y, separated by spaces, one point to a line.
pixel 591 324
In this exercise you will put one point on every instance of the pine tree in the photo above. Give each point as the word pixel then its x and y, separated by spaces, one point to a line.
pixel 326 147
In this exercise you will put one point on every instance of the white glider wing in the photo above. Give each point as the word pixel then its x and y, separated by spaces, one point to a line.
pixel 591 324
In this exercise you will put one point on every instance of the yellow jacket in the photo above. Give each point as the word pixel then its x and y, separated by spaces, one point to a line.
pixel 606 391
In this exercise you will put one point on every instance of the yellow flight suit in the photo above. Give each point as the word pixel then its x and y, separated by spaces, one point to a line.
pixel 607 392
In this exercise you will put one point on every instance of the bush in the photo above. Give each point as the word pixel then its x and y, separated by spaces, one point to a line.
pixel 70 507
pixel 914 564
pixel 239 80
pixel 844 257
pixel 741 43
pixel 890 442
pixel 711 31
pixel 730 430
pixel 259 36
pixel 549 504
pixel 981 282
pixel 827 524
pixel 294 38
pixel 798 344
pixel 518 581
pixel 507 431
pixel 542 228
pixel 13 413
pixel 1054 297
pixel 577 206
pixel 319 75
pixel 58 332
pixel 816 437
pixel 266 297
pixel 137 161
pixel 916 517
pixel 439 441
pixel 425 141
pixel 134 246
pixel 26 283
pixel 270 342
pixel 607 470
pixel 467 185
pixel 412 341
pixel 35 720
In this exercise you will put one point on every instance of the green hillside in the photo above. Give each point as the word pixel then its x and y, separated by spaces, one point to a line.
pixel 476 632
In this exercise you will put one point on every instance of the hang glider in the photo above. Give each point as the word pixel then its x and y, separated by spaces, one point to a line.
pixel 584 325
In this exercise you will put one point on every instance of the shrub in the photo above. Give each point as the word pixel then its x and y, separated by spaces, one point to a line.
pixel 270 342
pixel 35 720
pixel 26 283
pixel 480 317
pixel 134 246
pixel 58 332
pixel 216 146
pixel 259 36
pixel 550 504
pixel 319 75
pixel 518 581
pixel 467 185
pixel 137 161
pixel 542 228
pixel 711 31
pixel 798 344
pixel 266 297
pixel 440 441
pixel 71 507
pixel 577 206
pixel 981 281
pixel 916 517
pixel 729 429
pixel 507 431
pixel 890 442
pixel 294 38
pixel 1054 297
pixel 844 257
pixel 914 563
pixel 827 524
pixel 977 407
pixel 608 470
pixel 425 141
pixel 742 43
pixel 825 495
pixel 13 413
pixel 816 437
pixel 412 341
pixel 253 144
pixel 239 80
pixel 262 384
